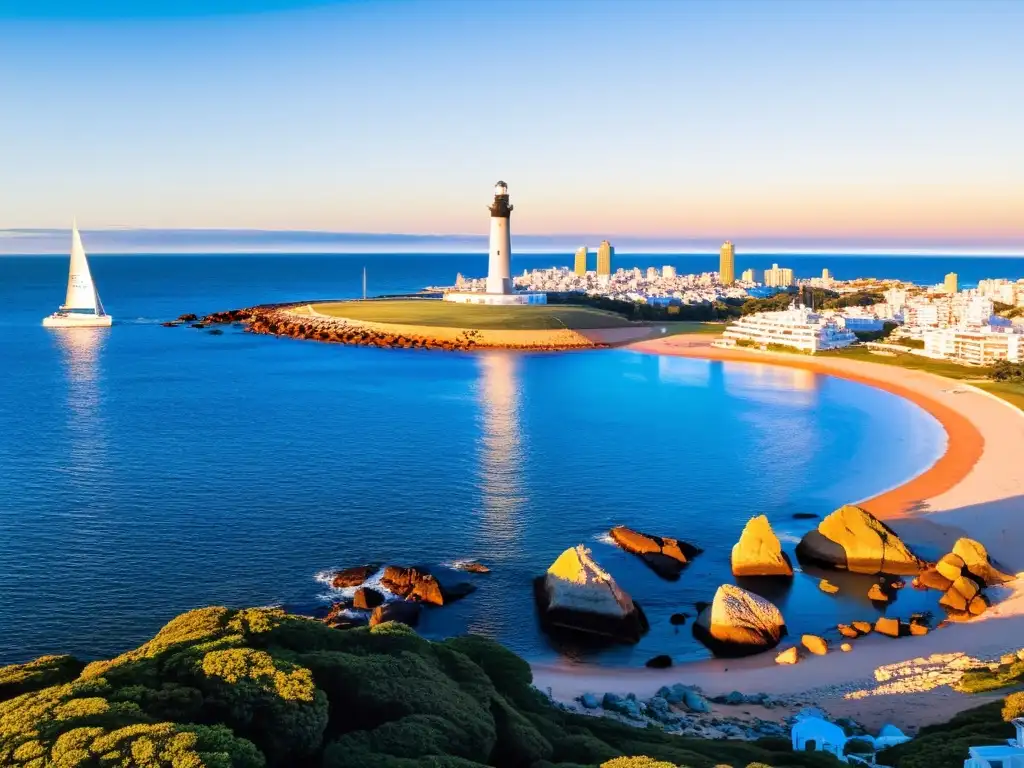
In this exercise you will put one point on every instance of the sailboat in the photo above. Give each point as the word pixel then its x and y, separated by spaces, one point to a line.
pixel 82 307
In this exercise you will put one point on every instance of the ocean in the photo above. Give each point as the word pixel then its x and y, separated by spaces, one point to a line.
pixel 149 470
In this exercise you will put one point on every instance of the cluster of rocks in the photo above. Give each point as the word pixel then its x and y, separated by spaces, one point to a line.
pixel 686 710
pixel 962 576
pixel 413 587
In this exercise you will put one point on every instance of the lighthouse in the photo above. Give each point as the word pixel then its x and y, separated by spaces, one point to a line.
pixel 499 263
pixel 498 287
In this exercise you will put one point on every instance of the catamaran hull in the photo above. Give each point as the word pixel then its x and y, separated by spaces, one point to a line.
pixel 78 321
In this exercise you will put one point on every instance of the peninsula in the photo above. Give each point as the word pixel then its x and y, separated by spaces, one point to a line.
pixel 424 323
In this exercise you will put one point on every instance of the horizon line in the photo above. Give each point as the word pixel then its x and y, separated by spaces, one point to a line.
pixel 30 241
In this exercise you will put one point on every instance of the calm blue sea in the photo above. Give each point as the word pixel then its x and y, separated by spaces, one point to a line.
pixel 147 470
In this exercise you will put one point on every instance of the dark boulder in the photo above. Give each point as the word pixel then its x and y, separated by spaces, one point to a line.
pixel 853 539
pixel 403 612
pixel 187 318
pixel 366 599
pixel 739 623
pixel 353 577
pixel 677 619
pixel 662 661
pixel 665 556
pixel 804 516
pixel 579 601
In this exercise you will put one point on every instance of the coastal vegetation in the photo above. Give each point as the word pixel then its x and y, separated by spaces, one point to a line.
pixel 259 688
pixel 946 745
pixel 432 312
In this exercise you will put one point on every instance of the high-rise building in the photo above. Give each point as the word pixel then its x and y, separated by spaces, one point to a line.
pixel 749 276
pixel 605 252
pixel 668 271
pixel 581 261
pixel 727 264
pixel 778 277
pixel 652 273
pixel 826 275
pixel 951 283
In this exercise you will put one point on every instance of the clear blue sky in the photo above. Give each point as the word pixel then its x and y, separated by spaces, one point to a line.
pixel 854 123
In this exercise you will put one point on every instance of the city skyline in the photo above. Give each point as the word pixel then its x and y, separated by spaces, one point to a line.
pixel 834 127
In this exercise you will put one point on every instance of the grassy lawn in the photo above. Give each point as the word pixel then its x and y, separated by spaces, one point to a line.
pixel 689 326
pixel 1011 392
pixel 449 315
pixel 940 367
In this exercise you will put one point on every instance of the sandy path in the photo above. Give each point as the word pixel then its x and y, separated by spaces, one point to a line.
pixel 976 487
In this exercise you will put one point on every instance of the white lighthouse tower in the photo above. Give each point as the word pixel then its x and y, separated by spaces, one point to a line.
pixel 499 262
pixel 499 288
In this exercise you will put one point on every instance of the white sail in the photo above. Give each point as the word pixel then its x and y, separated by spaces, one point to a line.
pixel 81 289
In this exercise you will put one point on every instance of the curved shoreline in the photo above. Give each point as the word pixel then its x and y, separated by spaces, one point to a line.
pixel 964 442
pixel 976 487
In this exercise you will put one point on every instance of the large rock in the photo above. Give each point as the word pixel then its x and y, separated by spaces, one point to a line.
pixel 950 566
pixel 816 645
pixel 366 599
pixel 889 626
pixel 739 623
pixel 420 586
pixel 663 555
pixel 353 577
pixel 978 564
pixel 960 594
pixel 930 578
pixel 406 613
pixel 789 656
pixel 852 538
pixel 758 552
pixel 577 596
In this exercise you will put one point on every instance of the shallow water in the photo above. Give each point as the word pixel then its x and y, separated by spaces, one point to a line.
pixel 148 470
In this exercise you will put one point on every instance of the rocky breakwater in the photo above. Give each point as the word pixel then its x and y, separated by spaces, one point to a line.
pixel 739 623
pixel 579 599
pixel 302 322
pixel 759 552
pixel 853 539
pixel 666 557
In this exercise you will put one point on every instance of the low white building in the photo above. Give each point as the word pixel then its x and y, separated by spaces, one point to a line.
pixel 1009 756
pixel 976 346
pixel 796 327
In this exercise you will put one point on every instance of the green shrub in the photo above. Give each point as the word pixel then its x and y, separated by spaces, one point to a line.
pixel 945 745
pixel 859 747
pixel 981 680
pixel 41 673
pixel 1013 706
pixel 518 742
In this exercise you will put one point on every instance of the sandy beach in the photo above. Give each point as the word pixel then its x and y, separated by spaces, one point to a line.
pixel 976 488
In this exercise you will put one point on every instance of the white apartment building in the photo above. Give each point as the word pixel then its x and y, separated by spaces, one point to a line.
pixel 797 327
pixel 1003 291
pixel 778 277
pixel 668 272
pixel 976 346
pixel 971 309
